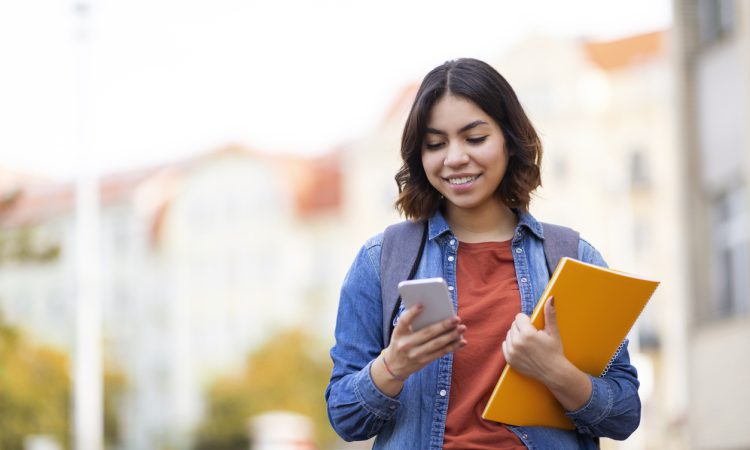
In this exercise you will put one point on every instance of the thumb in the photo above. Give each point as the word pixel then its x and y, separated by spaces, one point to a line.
pixel 550 317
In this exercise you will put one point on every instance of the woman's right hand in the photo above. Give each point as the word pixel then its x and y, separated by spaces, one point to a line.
pixel 409 351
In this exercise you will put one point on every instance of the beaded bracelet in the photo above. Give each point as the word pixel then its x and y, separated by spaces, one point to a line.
pixel 390 372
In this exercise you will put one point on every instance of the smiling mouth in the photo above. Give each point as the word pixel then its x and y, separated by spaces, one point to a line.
pixel 462 180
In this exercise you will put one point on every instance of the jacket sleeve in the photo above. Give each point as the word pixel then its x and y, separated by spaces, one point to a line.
pixel 357 409
pixel 614 408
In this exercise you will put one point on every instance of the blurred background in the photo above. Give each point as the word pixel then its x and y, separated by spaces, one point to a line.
pixel 183 185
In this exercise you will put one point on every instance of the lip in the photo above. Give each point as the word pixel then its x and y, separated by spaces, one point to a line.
pixel 461 187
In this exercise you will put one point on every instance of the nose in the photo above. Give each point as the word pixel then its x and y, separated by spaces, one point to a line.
pixel 456 156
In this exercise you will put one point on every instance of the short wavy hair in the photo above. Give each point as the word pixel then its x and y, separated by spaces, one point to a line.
pixel 480 83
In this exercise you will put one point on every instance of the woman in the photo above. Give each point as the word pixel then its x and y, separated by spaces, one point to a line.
pixel 470 163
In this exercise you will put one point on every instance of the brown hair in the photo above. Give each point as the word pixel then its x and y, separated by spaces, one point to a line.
pixel 478 82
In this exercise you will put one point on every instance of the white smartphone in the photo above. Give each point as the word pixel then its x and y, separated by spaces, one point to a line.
pixel 433 294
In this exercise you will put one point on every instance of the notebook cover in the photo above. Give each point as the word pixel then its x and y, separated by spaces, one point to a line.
pixel 596 308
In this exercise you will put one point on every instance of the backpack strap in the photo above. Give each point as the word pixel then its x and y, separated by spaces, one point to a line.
pixel 558 242
pixel 403 244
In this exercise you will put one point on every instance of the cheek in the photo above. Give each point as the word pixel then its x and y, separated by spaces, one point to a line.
pixel 495 156
pixel 431 163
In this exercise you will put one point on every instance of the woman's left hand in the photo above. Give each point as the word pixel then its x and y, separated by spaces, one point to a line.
pixel 535 353
pixel 539 354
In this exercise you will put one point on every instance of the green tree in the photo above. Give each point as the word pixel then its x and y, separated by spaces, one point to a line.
pixel 115 385
pixel 35 392
pixel 290 372
pixel 26 244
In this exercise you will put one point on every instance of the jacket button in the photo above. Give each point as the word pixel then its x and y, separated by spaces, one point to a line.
pixel 443 392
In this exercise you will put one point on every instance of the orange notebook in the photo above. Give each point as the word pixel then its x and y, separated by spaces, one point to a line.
pixel 596 307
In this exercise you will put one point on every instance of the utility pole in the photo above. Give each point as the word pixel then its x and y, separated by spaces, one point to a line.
pixel 88 417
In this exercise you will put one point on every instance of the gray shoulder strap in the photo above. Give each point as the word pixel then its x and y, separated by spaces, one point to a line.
pixel 559 241
pixel 401 245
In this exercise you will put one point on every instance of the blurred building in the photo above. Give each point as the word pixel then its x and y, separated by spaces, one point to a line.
pixel 713 64
pixel 604 111
pixel 203 260
pixel 370 165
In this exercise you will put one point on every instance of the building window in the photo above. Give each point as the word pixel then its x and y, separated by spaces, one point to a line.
pixel 716 20
pixel 641 236
pixel 639 171
pixel 559 167
pixel 731 270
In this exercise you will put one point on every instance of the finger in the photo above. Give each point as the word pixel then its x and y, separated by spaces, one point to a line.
pixel 453 346
pixel 405 320
pixel 515 328
pixel 509 338
pixel 522 319
pixel 438 342
pixel 550 317
pixel 507 349
pixel 523 325
pixel 436 329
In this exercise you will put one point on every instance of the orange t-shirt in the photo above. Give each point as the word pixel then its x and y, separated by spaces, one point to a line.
pixel 489 300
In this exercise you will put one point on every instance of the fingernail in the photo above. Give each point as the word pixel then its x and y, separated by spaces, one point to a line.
pixel 454 319
pixel 552 301
pixel 420 307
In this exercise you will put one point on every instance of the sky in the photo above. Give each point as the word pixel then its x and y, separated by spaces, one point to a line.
pixel 142 82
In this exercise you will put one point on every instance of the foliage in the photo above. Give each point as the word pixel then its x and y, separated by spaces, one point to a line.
pixel 27 244
pixel 290 372
pixel 35 392
pixel 114 387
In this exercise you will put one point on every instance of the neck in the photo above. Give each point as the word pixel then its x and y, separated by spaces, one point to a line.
pixel 493 222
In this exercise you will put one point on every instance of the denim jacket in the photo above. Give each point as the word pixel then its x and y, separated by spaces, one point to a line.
pixel 415 418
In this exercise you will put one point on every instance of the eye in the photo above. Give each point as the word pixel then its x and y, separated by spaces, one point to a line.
pixel 434 146
pixel 476 140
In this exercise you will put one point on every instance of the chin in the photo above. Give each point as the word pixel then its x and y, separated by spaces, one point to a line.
pixel 469 203
pixel 465 205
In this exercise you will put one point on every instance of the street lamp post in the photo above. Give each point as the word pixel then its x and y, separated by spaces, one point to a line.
pixel 88 417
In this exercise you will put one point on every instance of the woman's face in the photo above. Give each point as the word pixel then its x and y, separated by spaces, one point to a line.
pixel 463 153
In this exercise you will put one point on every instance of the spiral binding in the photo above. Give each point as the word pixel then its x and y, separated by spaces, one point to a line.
pixel 609 364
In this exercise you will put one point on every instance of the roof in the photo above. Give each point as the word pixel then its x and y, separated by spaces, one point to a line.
pixel 401 103
pixel 315 184
pixel 622 53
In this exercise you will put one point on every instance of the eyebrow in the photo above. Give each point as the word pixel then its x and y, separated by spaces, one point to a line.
pixel 468 127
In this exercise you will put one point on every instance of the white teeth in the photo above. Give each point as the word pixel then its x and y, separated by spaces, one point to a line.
pixel 462 180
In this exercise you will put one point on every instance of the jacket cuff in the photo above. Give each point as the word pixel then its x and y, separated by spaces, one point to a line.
pixel 371 398
pixel 596 409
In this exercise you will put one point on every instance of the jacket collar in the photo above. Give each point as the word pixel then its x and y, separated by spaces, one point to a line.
pixel 527 222
pixel 437 225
